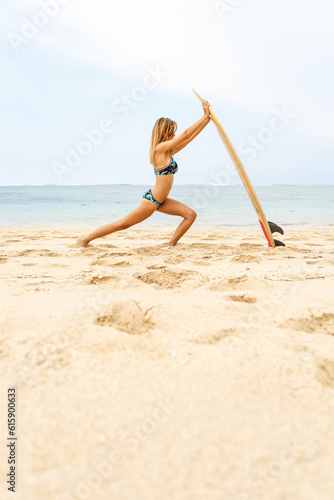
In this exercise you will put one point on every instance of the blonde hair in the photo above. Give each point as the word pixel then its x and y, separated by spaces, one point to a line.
pixel 163 128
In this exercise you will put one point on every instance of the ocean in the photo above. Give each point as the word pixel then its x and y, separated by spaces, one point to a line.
pixel 216 205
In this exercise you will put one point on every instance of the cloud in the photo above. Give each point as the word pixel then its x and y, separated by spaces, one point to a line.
pixel 249 56
pixel 261 55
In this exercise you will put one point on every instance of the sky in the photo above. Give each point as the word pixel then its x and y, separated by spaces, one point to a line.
pixel 83 82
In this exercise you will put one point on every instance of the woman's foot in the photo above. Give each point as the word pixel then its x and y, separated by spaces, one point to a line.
pixel 82 242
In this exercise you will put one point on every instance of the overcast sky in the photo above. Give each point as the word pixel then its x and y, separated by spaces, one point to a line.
pixel 83 82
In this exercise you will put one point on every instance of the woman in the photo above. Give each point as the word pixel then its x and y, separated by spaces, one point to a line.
pixel 164 144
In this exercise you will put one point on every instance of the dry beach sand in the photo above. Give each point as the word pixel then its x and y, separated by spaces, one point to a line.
pixel 204 371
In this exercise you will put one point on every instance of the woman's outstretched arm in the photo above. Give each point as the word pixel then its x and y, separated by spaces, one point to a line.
pixel 188 135
pixel 192 137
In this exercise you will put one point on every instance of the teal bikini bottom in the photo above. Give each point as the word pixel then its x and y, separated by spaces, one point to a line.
pixel 149 196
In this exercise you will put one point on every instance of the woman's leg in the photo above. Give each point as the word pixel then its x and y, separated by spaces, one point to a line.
pixel 173 207
pixel 142 212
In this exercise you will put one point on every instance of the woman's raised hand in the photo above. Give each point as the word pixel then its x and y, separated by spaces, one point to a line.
pixel 206 108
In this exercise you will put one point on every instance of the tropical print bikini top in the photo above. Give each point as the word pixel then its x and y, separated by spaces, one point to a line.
pixel 171 168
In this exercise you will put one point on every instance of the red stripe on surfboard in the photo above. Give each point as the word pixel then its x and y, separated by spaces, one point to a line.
pixel 265 233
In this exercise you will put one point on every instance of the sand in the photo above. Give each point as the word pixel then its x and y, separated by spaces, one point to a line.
pixel 203 371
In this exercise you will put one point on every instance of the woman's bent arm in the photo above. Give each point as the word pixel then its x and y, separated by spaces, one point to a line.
pixel 192 137
pixel 163 147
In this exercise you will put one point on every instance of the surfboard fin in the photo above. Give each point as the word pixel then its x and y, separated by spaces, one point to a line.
pixel 274 228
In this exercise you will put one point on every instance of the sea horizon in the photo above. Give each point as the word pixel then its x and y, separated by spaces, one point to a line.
pixel 216 205
pixel 145 184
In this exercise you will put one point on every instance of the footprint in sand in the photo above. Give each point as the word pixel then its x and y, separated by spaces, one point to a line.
pixel 175 259
pixel 245 259
pixel 156 267
pixel 165 278
pixel 213 337
pixel 120 254
pixel 312 324
pixel 219 285
pixel 128 317
pixel 88 250
pixel 113 255
pixel 226 253
pixel 325 373
pixel 99 280
pixel 101 262
pixel 251 246
pixel 44 252
pixel 201 263
pixel 47 253
pixel 242 298
pixel 151 251
pixel 206 246
pixel 86 253
pixel 102 256
pixel 23 253
pixel 298 250
pixel 110 263
pixel 108 245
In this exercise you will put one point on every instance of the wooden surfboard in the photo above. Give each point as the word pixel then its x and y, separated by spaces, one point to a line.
pixel 268 228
